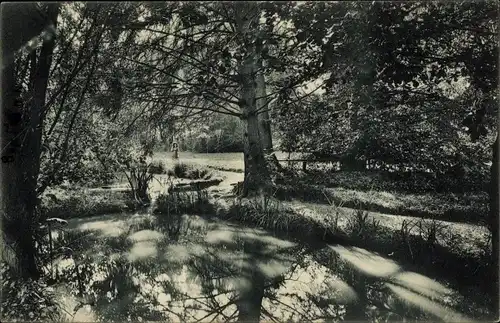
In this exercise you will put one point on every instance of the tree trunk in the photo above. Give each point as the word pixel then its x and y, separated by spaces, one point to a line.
pixel 262 107
pixel 266 139
pixel 19 198
pixel 494 227
pixel 256 173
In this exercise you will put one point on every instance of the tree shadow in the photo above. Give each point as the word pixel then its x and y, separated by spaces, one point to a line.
pixel 198 269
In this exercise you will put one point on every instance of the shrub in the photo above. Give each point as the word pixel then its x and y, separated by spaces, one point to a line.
pixel 190 171
pixel 196 173
pixel 179 170
pixel 176 203
pixel 66 204
pixel 27 300
pixel 157 167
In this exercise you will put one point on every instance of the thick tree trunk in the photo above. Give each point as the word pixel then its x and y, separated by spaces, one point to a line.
pixel 19 196
pixel 256 173
pixel 17 215
pixel 265 124
pixel 263 107
pixel 494 227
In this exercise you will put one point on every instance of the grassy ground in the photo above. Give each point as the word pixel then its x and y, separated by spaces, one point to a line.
pixel 465 207
pixel 387 247
pixel 367 190
pixel 140 266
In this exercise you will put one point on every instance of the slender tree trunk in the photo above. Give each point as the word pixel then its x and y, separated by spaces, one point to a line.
pixel 494 227
pixel 19 196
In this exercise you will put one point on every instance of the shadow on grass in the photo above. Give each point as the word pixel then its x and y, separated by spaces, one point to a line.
pixel 447 207
pixel 191 268
pixel 469 273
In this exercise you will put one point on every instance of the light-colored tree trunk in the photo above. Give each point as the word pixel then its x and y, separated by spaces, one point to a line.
pixel 263 108
pixel 257 175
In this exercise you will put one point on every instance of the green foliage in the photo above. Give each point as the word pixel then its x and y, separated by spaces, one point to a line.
pixel 404 107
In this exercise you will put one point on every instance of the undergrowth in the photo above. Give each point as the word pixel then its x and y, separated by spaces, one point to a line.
pixel 67 204
pixel 190 171
pixel 467 207
pixel 178 202
pixel 27 300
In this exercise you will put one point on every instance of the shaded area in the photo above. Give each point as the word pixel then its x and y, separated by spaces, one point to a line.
pixel 201 269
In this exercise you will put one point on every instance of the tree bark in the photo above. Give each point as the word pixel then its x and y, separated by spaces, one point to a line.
pixel 19 198
pixel 262 107
pixel 257 175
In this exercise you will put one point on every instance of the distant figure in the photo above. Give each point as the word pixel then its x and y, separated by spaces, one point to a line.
pixel 175 149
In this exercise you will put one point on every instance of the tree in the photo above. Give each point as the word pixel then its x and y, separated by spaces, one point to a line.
pixel 421 46
pixel 25 117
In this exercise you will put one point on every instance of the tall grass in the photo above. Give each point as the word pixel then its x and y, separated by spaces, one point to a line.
pixel 178 202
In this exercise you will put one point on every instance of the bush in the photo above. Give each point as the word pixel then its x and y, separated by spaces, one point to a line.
pixel 66 204
pixel 176 203
pixel 190 171
pixel 27 301
pixel 157 167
